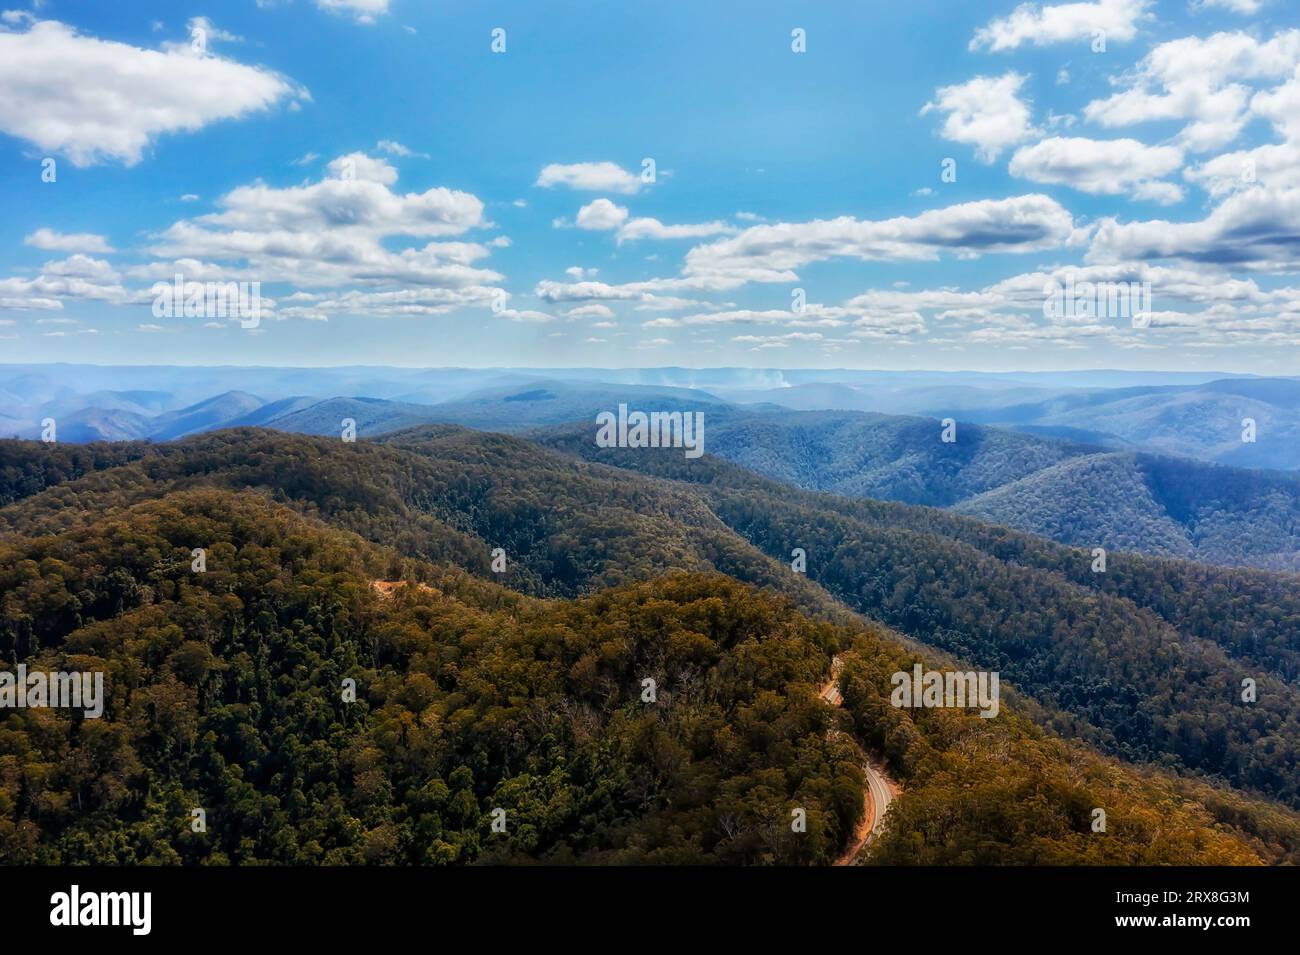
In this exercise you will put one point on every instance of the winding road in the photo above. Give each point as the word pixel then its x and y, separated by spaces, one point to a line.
pixel 879 792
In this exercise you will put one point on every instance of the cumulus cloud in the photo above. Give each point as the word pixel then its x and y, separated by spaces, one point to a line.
pixel 595 310
pixel 1281 107
pixel 1199 80
pixel 1061 23
pixel 390 303
pixel 331 234
pixel 771 253
pixel 49 289
pixel 1271 164
pixel 68 242
pixel 99 100
pixel 84 267
pixel 589 177
pixel 1253 229
pixel 646 228
pixel 1204 300
pixel 601 215
pixel 986 112
pixel 332 231
pixel 361 166
pixel 1101 167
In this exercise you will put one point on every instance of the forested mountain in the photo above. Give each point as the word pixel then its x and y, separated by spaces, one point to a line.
pixel 1156 505
pixel 880 456
pixel 225 690
pixel 1147 658
pixel 1203 420
pixel 1067 491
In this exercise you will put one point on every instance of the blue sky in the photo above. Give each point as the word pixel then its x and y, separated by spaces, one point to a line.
pixel 405 195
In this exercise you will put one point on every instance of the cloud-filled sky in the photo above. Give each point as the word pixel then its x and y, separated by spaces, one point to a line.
pixel 585 183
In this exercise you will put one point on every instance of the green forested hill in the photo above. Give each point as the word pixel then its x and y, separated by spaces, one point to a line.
pixel 1147 659
pixel 887 457
pixel 224 694
pixel 1072 493
pixel 1144 661
pixel 1157 506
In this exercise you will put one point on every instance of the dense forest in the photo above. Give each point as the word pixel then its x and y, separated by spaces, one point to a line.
pixel 1146 659
pixel 1066 491
pixel 523 690
pixel 226 696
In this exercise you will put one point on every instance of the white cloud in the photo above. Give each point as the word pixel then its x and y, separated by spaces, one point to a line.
pixel 601 215
pixel 589 177
pixel 1199 80
pixel 1062 22
pixel 1273 165
pixel 363 11
pixel 333 233
pixel 394 148
pixel 525 315
pixel 647 294
pixel 361 166
pixel 100 100
pixel 68 242
pixel 1254 229
pixel 1010 312
pixel 771 253
pixel 985 112
pixel 84 267
pixel 654 229
pixel 813 315
pixel 392 303
pixel 47 291
pixel 331 216
pixel 1281 107
pixel 591 311
pixel 1101 167
pixel 778 341
pixel 1154 190
pixel 210 31
pixel 1236 6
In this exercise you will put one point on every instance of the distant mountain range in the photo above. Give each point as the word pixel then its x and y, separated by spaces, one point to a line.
pixel 1069 463
pixel 1064 490
pixel 1201 419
